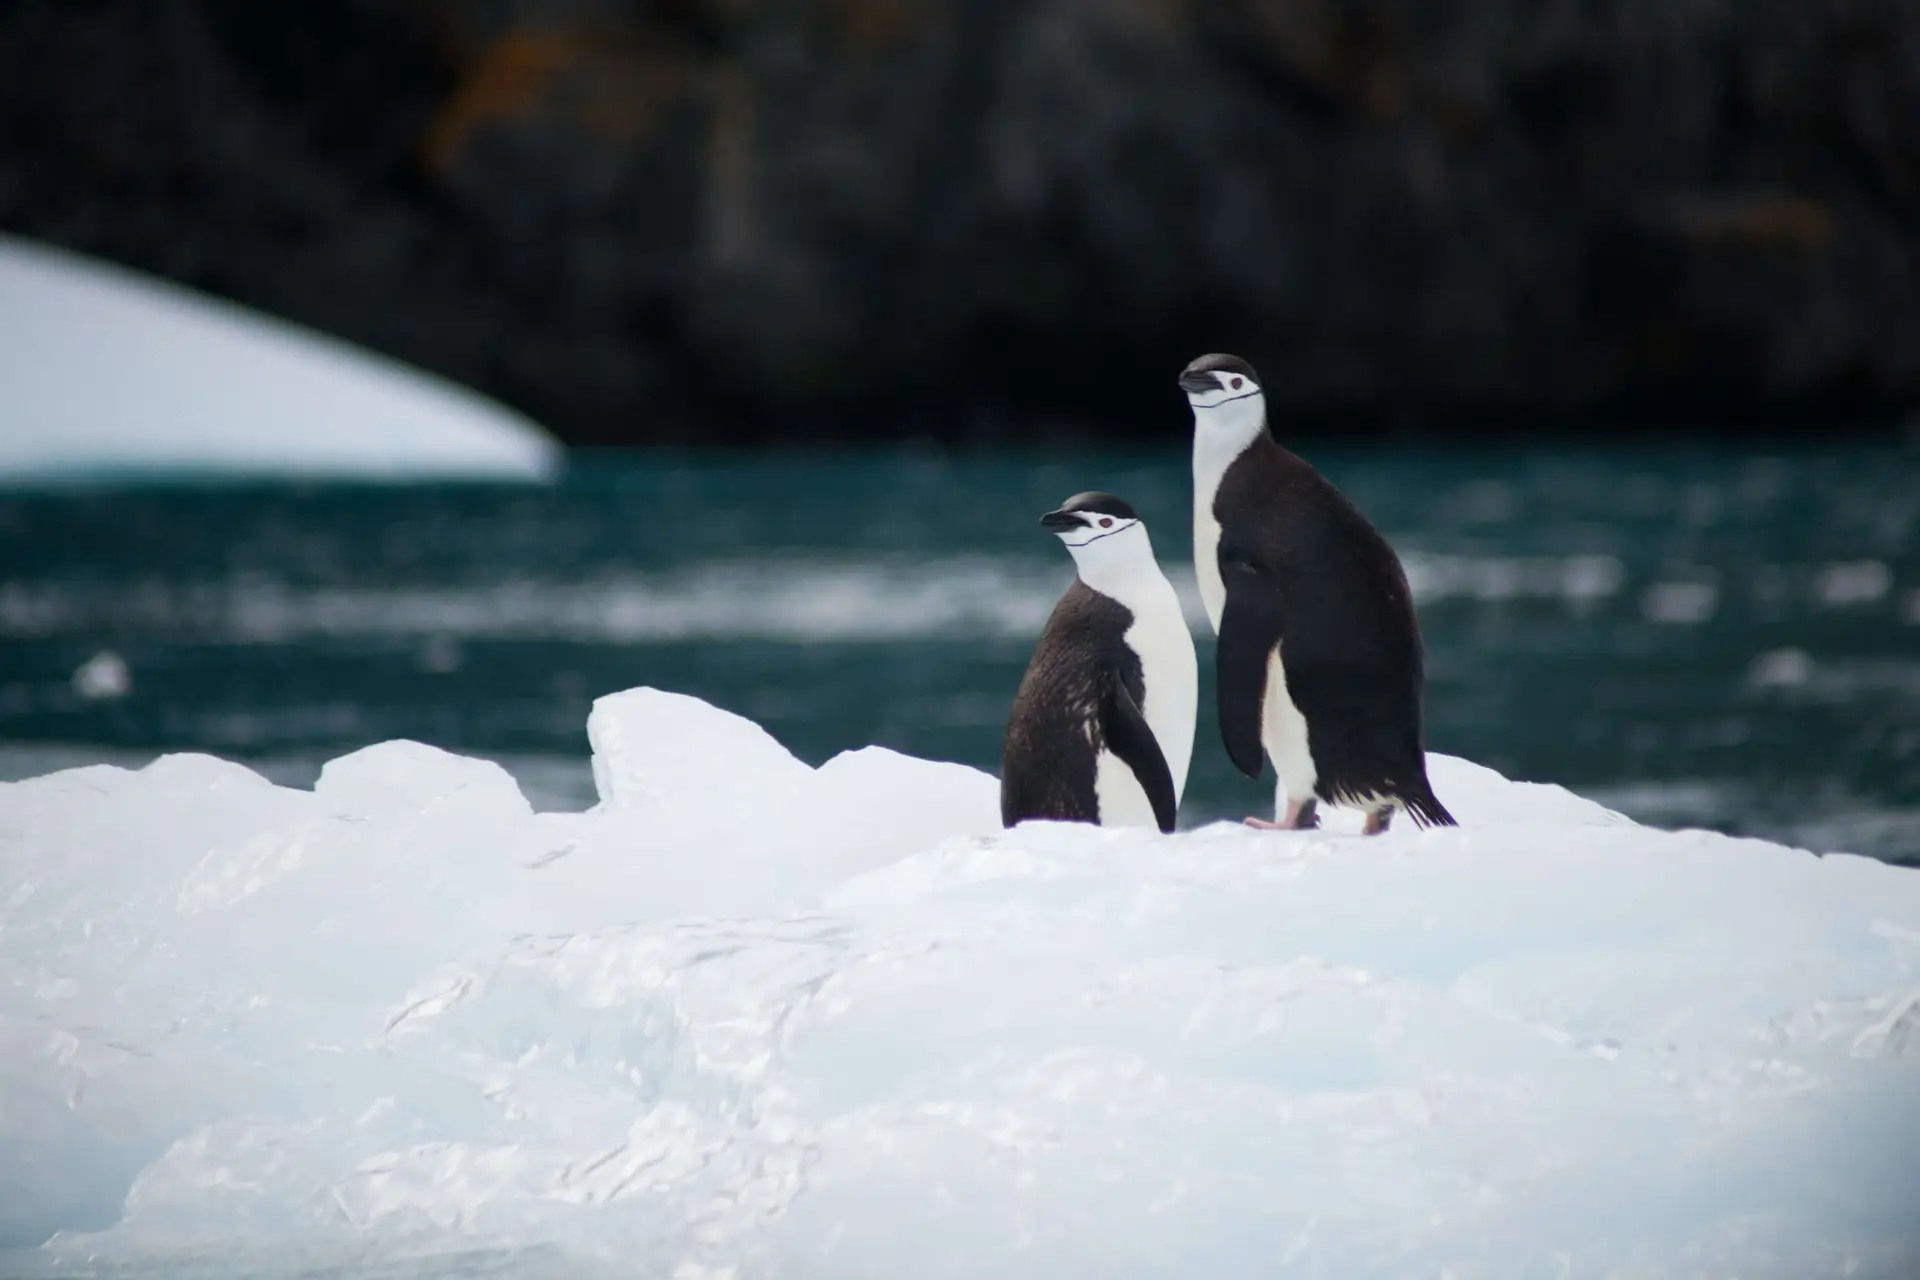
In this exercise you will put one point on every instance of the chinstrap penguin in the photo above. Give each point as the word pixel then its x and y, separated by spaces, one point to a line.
pixel 1289 569
pixel 1102 726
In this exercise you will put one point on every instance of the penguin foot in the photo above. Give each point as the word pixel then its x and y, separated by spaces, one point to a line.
pixel 1377 821
pixel 1301 815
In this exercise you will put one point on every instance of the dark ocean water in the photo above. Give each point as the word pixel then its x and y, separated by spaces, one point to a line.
pixel 1700 635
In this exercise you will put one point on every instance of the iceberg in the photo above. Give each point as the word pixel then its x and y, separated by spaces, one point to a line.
pixel 106 371
pixel 747 1017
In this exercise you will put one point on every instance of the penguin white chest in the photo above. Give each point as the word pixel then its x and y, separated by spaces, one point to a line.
pixel 1206 559
pixel 1283 732
pixel 1123 801
pixel 1171 673
pixel 1214 453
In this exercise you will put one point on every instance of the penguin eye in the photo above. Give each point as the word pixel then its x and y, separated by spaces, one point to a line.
pixel 1236 383
pixel 1106 522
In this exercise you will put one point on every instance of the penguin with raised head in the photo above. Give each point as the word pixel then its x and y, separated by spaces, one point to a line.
pixel 1318 657
pixel 1102 726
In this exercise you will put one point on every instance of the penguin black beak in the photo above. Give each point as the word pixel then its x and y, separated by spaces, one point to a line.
pixel 1060 521
pixel 1199 383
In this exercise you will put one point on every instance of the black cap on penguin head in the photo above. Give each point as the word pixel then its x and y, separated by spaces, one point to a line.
pixel 1087 508
pixel 1218 372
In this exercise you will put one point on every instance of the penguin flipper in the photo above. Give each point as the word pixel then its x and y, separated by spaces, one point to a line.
pixel 1250 627
pixel 1130 737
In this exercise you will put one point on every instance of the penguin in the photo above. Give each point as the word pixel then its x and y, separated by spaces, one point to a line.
pixel 1318 655
pixel 1101 729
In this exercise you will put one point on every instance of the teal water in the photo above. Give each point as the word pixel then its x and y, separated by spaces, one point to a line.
pixel 1698 634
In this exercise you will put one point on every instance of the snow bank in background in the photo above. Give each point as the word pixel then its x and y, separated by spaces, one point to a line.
pixel 102 369
pixel 747 1017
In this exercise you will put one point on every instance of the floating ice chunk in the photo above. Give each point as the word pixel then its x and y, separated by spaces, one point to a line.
pixel 104 675
pixel 746 1017
pixel 108 370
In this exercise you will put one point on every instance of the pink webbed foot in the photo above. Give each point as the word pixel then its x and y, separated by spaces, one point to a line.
pixel 1300 815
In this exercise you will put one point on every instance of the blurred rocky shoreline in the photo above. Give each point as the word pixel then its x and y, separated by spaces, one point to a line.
pixel 712 221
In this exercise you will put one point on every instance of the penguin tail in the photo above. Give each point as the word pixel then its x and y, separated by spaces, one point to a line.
pixel 1427 811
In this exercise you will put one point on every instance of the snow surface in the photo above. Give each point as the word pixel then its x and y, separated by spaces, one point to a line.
pixel 750 1018
pixel 106 370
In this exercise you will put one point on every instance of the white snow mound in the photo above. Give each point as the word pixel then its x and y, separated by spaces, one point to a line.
pixel 751 1018
pixel 104 370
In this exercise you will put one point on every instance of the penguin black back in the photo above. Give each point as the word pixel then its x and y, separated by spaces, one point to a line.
pixel 1354 662
pixel 1318 660
pixel 1057 727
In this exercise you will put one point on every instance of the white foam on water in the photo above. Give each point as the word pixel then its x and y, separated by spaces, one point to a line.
pixel 1580 579
pixel 746 1017
pixel 109 372
pixel 808 598
pixel 1853 583
pixel 771 598
pixel 1679 603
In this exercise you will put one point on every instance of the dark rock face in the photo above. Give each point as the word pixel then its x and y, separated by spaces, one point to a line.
pixel 713 220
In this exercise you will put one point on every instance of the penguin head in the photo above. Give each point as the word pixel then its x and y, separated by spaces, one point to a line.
pixel 1105 535
pixel 1229 408
pixel 1213 381
pixel 1089 517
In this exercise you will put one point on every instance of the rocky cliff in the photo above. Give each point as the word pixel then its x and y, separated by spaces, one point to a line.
pixel 744 219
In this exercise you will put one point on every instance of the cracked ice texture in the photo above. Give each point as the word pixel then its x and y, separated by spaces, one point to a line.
pixel 749 1016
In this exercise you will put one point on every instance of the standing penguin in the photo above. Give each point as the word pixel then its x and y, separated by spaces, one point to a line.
pixel 1319 658
pixel 1102 727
